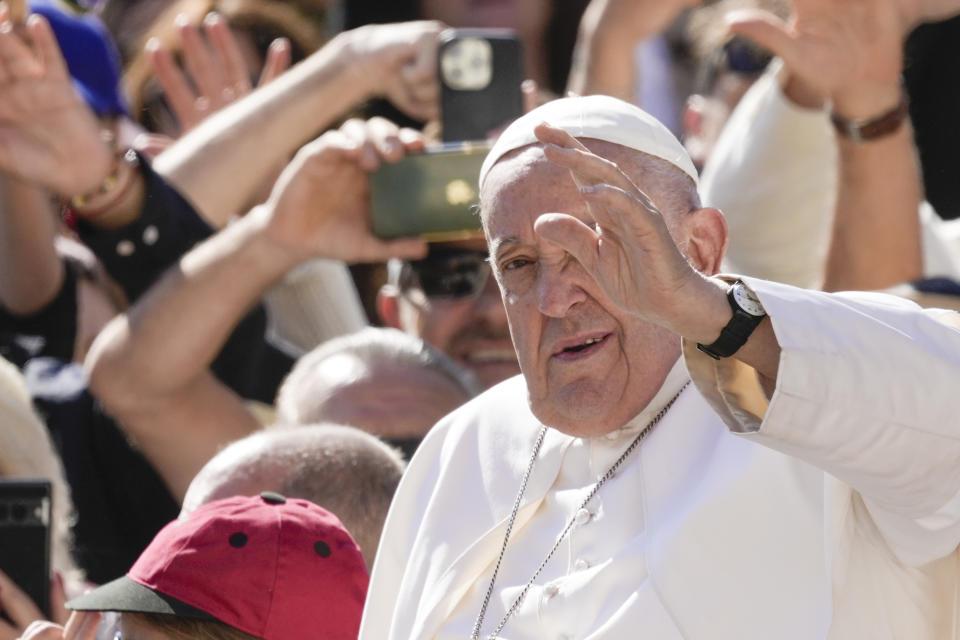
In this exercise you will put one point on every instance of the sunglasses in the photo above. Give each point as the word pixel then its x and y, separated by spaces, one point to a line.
pixel 451 274
pixel 737 55
pixel 743 56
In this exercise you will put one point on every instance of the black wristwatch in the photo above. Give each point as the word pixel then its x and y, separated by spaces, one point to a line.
pixel 747 314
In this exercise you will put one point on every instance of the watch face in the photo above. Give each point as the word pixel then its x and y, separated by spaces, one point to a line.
pixel 747 300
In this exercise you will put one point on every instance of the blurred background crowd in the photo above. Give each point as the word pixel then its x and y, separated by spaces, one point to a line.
pixel 156 359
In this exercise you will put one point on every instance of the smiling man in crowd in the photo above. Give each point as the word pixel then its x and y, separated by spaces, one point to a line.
pixel 449 299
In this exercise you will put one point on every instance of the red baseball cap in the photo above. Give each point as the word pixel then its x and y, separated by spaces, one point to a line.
pixel 273 567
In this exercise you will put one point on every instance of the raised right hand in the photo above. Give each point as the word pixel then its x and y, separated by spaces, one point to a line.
pixel 48 135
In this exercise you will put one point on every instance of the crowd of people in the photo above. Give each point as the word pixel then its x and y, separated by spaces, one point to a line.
pixel 691 380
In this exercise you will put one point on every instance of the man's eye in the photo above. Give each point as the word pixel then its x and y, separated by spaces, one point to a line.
pixel 516 263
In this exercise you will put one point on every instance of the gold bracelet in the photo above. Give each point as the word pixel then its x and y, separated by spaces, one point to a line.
pixel 125 165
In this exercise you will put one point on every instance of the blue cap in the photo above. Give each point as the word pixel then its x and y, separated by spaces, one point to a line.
pixel 91 56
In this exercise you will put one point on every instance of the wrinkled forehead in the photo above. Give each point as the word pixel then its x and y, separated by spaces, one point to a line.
pixel 524 176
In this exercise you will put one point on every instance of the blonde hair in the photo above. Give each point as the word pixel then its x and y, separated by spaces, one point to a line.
pixel 26 451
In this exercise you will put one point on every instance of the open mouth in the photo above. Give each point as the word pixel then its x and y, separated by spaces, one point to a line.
pixel 582 349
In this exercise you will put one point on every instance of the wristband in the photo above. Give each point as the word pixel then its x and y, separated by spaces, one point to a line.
pixel 864 130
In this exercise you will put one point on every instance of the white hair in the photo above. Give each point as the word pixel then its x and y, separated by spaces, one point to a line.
pixel 372 344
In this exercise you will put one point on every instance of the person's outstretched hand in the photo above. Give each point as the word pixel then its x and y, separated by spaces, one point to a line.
pixel 212 60
pixel 320 203
pixel 851 51
pixel 627 248
pixel 48 135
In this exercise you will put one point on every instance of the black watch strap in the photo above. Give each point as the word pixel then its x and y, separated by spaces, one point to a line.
pixel 741 325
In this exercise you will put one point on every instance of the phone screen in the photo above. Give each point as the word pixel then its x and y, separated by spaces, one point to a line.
pixel 431 194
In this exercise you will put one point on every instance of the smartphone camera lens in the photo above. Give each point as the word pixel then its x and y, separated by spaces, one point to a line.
pixel 18 512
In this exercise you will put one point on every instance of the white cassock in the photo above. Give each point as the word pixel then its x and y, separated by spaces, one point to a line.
pixel 837 516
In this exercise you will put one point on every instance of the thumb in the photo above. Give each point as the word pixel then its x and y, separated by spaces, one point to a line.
pixel 766 30
pixel 571 235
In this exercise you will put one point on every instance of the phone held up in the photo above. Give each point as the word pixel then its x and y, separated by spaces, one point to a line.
pixel 25 537
pixel 431 194
pixel 434 194
pixel 480 74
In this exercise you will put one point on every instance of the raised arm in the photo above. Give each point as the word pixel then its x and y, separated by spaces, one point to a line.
pixel 43 124
pixel 610 31
pixel 241 144
pixel 857 384
pixel 851 53
pixel 149 366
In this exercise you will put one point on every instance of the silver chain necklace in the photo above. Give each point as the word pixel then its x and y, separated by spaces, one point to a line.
pixel 563 534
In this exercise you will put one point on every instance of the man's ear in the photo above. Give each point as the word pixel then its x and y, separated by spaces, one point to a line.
pixel 388 306
pixel 707 239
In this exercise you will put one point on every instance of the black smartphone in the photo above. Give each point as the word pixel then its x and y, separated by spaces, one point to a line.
pixel 480 72
pixel 25 537
pixel 431 194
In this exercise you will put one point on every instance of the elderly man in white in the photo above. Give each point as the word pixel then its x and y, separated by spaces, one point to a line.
pixel 806 484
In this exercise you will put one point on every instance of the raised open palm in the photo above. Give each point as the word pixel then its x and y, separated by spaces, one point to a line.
pixel 837 48
pixel 629 250
pixel 48 135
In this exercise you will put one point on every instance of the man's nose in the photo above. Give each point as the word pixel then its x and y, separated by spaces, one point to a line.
pixel 557 288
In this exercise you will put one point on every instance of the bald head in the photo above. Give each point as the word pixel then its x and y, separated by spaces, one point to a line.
pixel 343 469
pixel 379 380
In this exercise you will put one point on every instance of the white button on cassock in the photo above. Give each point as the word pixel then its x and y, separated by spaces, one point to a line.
pixel 581 565
pixel 583 517
pixel 551 590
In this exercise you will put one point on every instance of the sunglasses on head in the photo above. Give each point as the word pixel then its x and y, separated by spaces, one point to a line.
pixel 449 273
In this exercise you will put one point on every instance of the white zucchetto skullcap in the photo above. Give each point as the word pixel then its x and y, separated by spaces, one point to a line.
pixel 600 117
